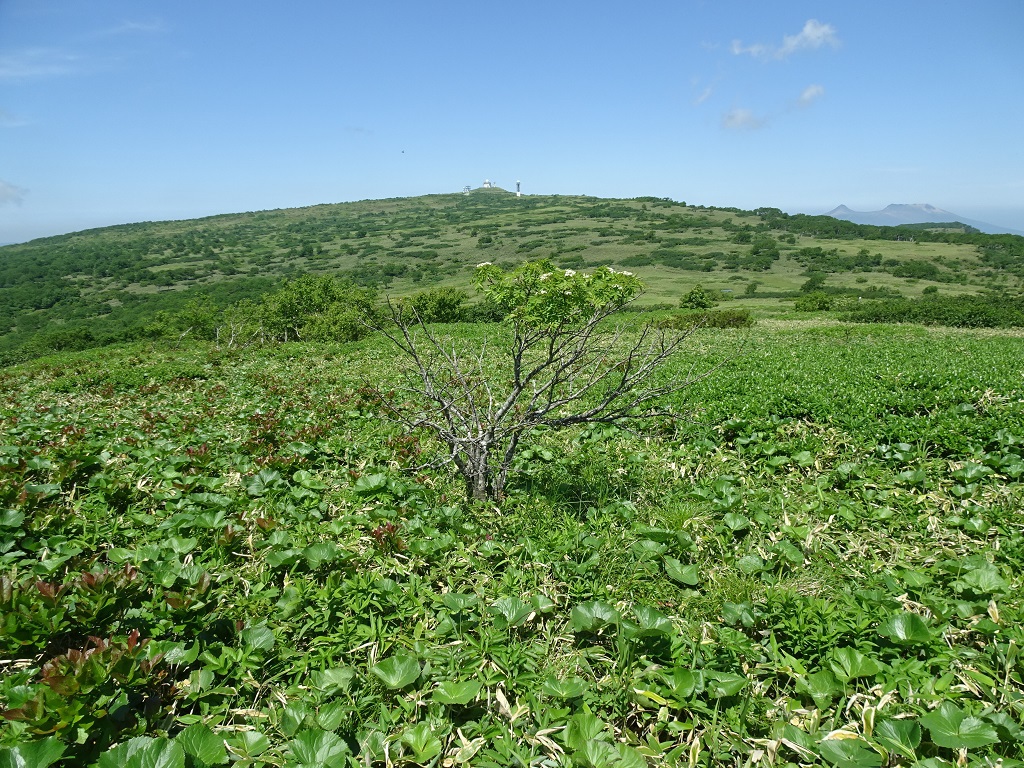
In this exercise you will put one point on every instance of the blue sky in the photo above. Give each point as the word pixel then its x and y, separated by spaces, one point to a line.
pixel 113 111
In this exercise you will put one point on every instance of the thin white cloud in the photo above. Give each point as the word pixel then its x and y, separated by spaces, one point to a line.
pixel 757 51
pixel 740 119
pixel 11 120
pixel 814 35
pixel 703 96
pixel 134 27
pixel 9 193
pixel 34 63
pixel 811 94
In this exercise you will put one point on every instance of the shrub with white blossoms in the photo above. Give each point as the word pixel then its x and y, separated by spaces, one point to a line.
pixel 551 368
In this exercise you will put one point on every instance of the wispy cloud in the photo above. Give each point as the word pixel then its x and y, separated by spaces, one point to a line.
pixel 135 27
pixel 9 193
pixel 34 63
pixel 814 35
pixel 703 96
pixel 740 119
pixel 11 120
pixel 811 94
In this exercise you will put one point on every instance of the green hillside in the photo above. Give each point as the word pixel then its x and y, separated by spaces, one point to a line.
pixel 97 286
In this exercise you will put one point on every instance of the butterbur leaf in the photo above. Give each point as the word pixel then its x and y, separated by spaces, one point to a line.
pixel 799 741
pixel 645 549
pixel 305 479
pixel 144 752
pixel 280 557
pixel 906 629
pixel 849 752
pixel 373 747
pixel 32 754
pixel 263 482
pixel 652 623
pixel 849 663
pixel 686 682
pixel 181 545
pixel 592 616
pixel 739 613
pixel 11 518
pixel 319 748
pixel 203 744
pixel 629 757
pixel 684 574
pixel 456 602
pixel 735 521
pixel 542 604
pixel 913 477
pixel 750 564
pixel 330 716
pixel 789 552
pixel 848 469
pixel 320 553
pixel 596 754
pixel 397 672
pixel 583 727
pixel 249 744
pixel 900 736
pixel 450 692
pixel 971 472
pixel 820 686
pixel 259 637
pixel 804 458
pixel 421 741
pixel 722 684
pixel 334 680
pixel 369 485
pixel 1007 729
pixel 510 612
pixel 984 581
pixel 296 714
pixel 949 726
pixel 570 688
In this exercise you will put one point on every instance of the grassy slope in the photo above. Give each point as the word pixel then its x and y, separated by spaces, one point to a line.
pixel 765 555
pixel 111 281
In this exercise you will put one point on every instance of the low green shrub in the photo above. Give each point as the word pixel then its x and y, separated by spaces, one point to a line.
pixel 985 311
pixel 722 318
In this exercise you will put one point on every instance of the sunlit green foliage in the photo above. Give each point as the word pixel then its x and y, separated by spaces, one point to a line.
pixel 213 557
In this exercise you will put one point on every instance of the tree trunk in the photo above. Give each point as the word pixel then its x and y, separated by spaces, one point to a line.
pixel 477 487
pixel 478 475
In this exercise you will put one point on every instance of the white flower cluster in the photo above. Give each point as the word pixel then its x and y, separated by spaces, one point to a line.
pixel 483 264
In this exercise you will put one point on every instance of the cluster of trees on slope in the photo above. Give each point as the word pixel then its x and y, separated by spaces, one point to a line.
pixel 1000 252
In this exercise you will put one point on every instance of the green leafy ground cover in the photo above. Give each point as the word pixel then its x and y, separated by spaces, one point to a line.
pixel 211 558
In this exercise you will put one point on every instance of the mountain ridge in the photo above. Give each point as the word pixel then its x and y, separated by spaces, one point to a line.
pixel 895 214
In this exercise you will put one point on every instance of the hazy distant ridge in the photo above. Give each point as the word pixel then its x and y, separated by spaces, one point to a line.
pixel 920 213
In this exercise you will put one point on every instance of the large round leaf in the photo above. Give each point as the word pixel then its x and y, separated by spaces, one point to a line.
pixel 949 726
pixel 398 671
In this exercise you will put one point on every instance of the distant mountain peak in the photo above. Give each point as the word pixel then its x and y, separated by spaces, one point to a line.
pixel 896 214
